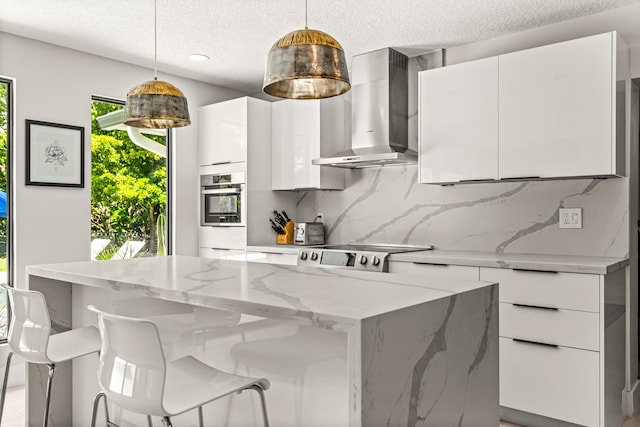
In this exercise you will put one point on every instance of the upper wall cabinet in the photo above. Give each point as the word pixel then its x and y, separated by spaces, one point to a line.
pixel 303 130
pixel 558 110
pixel 459 122
pixel 223 132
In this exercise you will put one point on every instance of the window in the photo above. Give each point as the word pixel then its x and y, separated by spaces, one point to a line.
pixel 129 191
pixel 5 225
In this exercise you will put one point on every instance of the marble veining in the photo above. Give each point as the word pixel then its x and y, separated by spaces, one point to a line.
pixel 326 297
pixel 387 205
pixel 419 351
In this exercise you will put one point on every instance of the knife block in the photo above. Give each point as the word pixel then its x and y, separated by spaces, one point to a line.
pixel 287 237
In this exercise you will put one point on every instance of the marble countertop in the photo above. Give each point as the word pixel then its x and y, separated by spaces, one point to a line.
pixel 321 297
pixel 563 263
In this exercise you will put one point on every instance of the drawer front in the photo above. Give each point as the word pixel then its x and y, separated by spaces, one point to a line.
pixel 572 291
pixel 226 254
pixel 568 328
pixel 272 258
pixel 559 383
pixel 438 271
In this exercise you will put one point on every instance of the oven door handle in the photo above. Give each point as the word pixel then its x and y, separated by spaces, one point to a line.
pixel 222 191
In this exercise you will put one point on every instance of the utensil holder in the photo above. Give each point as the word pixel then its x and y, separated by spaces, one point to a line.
pixel 287 237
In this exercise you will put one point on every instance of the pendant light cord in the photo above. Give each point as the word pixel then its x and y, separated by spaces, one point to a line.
pixel 305 15
pixel 155 39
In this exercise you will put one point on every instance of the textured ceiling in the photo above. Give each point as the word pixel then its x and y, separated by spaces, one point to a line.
pixel 237 34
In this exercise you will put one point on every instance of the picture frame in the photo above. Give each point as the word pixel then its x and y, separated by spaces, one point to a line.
pixel 55 154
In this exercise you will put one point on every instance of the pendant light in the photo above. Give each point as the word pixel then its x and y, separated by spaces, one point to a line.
pixel 306 64
pixel 156 104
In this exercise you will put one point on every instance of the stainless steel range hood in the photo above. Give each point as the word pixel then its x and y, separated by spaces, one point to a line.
pixel 379 117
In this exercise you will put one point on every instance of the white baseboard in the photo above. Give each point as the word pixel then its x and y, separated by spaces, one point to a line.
pixel 631 399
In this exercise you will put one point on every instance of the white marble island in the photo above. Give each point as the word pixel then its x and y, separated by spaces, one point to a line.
pixel 399 350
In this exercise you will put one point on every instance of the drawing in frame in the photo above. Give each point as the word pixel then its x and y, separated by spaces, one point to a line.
pixel 55 154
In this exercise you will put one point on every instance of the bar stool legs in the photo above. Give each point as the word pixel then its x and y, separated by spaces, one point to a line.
pixel 263 404
pixel 4 384
pixel 47 405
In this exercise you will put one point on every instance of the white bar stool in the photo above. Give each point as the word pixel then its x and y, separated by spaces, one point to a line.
pixel 30 338
pixel 134 373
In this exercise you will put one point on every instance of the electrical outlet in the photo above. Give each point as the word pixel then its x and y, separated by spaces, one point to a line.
pixel 570 217
pixel 319 217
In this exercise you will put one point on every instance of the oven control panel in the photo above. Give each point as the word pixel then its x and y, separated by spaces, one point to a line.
pixel 355 260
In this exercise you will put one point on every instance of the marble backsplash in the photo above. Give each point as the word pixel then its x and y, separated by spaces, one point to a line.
pixel 387 205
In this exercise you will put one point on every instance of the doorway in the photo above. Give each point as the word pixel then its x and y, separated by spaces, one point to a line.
pixel 130 186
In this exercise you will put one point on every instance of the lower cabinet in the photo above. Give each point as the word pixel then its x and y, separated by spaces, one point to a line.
pixel 226 254
pixel 554 381
pixel 439 271
pixel 559 334
pixel 272 257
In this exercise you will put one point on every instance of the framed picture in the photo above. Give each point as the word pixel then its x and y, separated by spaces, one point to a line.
pixel 55 154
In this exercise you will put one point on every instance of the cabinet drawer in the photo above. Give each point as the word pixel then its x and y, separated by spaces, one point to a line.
pixel 272 258
pixel 573 291
pixel 226 254
pixel 559 383
pixel 439 271
pixel 568 328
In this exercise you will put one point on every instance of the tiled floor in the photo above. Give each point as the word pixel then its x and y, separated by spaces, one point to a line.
pixel 14 411
pixel 13 415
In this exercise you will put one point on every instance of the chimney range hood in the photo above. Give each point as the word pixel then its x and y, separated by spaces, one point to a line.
pixel 379 117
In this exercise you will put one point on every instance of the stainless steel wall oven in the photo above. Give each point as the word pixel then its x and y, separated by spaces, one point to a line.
pixel 222 199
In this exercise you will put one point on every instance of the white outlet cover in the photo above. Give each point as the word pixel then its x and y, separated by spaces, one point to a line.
pixel 570 217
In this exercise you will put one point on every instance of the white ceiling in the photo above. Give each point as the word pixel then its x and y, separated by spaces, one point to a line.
pixel 237 34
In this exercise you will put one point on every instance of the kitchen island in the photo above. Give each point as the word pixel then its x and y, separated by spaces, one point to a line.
pixel 341 348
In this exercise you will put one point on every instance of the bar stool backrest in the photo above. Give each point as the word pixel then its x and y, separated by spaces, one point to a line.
pixel 132 366
pixel 30 326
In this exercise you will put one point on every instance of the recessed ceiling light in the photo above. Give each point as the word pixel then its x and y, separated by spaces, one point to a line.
pixel 198 57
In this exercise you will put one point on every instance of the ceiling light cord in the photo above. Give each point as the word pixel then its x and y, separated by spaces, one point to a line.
pixel 155 39
pixel 305 14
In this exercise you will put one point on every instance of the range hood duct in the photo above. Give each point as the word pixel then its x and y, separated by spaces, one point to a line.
pixel 379 117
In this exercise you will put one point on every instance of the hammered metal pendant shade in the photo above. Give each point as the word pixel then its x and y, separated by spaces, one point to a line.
pixel 306 64
pixel 156 104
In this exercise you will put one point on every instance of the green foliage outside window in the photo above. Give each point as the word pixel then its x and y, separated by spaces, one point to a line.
pixel 128 183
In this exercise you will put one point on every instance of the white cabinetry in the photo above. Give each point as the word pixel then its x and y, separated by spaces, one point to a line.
pixel 558 110
pixel 234 136
pixel 559 333
pixel 555 111
pixel 439 271
pixel 222 131
pixel 458 125
pixel 304 130
pixel 272 257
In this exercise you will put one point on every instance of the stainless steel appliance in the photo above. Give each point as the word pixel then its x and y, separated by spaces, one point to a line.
pixel 222 199
pixel 309 233
pixel 379 113
pixel 354 256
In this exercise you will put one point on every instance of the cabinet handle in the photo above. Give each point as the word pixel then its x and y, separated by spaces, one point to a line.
pixel 430 263
pixel 544 344
pixel 478 180
pixel 535 271
pixel 219 163
pixel 519 178
pixel 540 307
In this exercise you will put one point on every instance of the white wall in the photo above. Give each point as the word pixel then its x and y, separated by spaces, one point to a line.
pixel 55 84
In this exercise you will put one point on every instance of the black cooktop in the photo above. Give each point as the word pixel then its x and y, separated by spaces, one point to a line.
pixel 390 249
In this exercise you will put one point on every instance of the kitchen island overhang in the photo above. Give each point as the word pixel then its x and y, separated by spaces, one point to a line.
pixel 420 351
